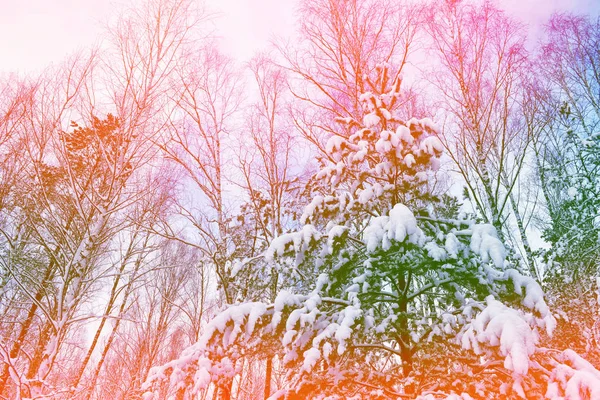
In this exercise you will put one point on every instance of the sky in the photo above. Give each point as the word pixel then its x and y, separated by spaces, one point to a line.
pixel 34 33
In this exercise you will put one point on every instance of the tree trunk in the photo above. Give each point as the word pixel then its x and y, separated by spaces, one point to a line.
pixel 109 307
pixel 38 355
pixel 113 334
pixel 404 336
pixel 492 200
pixel 16 348
pixel 268 375
pixel 526 247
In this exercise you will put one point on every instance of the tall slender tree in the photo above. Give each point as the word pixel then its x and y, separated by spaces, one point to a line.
pixel 483 82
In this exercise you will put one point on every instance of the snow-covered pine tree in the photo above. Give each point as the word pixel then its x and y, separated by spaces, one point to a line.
pixel 396 299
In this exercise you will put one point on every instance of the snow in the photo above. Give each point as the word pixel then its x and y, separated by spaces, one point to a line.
pixel 365 97
pixel 573 378
pixel 534 298
pixel 370 120
pixel 285 298
pixel 345 121
pixel 400 224
pixel 366 195
pixel 236 267
pixel 322 280
pixel 452 245
pixel 383 168
pixel 375 232
pixel 403 133
pixel 432 145
pixel 334 232
pixel 499 325
pixel 394 139
pixel 346 321
pixel 326 333
pixel 429 125
pixel 369 193
pixel 294 318
pixel 383 146
pixel 422 176
pixel 385 112
pixel 360 155
pixel 299 241
pixel 311 356
pixel 202 377
pixel 327 348
pixel 334 146
pixel 485 243
pixel 341 202
pixel 288 337
pixel 436 252
pixel 257 311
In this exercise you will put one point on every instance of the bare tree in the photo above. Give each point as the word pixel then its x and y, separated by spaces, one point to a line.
pixel 483 81
pixel 155 319
pixel 85 179
pixel 206 94
pixel 40 124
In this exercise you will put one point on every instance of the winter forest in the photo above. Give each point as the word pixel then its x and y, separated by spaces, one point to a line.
pixel 399 201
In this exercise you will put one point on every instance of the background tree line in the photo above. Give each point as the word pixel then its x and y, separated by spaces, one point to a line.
pixel 143 182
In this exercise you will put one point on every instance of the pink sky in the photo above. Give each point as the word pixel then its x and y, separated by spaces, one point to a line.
pixel 34 33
